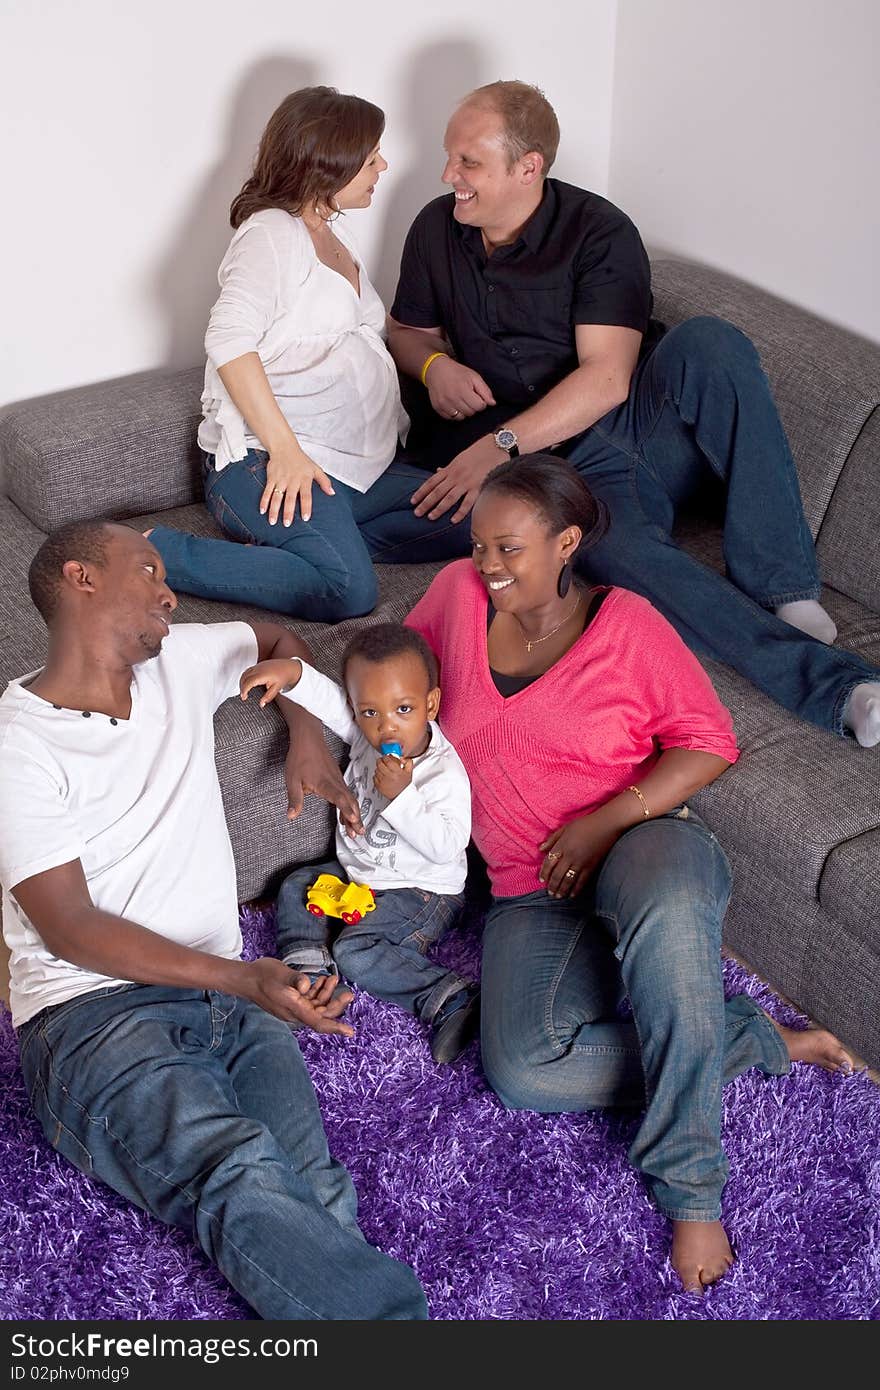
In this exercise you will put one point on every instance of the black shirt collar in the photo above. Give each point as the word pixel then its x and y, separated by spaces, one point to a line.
pixel 540 221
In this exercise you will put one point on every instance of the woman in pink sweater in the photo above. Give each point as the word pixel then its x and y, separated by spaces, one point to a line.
pixel 585 723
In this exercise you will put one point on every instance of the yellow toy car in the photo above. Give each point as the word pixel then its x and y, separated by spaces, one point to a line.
pixel 329 896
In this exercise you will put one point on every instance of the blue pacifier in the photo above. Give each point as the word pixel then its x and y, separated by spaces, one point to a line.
pixel 394 748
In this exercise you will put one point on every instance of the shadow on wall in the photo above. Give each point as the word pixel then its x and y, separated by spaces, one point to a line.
pixel 436 79
pixel 186 278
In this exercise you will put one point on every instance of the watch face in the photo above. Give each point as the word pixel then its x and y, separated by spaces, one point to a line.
pixel 505 439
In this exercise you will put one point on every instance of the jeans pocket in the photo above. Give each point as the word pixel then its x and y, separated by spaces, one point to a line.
pixel 58 1016
pixel 62 1139
pixel 439 912
pixel 256 461
pixel 228 520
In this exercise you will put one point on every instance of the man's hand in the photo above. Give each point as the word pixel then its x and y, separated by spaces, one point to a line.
pixel 309 767
pixel 291 996
pixel 393 775
pixel 459 482
pixel 456 391
pixel 275 675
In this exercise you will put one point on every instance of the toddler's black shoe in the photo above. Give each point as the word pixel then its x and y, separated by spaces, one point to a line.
pixel 455 1025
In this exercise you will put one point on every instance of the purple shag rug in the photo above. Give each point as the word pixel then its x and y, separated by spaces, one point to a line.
pixel 503 1215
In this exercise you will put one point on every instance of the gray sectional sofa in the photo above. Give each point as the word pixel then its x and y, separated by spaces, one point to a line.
pixel 799 815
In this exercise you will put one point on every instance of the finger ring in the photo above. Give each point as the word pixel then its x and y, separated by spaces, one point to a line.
pixel 571 873
pixel 455 414
pixel 554 854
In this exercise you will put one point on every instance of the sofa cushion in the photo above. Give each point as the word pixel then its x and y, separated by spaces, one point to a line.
pixel 23 641
pixel 827 965
pixel 112 449
pixel 797 791
pixel 849 888
pixel 849 540
pixel 825 380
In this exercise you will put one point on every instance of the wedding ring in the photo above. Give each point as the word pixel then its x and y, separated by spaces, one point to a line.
pixel 570 873
pixel 455 414
pixel 554 854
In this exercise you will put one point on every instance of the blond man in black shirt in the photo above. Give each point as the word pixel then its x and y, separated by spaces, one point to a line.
pixel 524 311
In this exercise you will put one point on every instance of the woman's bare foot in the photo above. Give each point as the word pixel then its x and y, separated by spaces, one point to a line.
pixel 701 1253
pixel 817 1046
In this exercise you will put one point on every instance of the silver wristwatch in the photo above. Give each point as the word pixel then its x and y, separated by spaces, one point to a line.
pixel 507 440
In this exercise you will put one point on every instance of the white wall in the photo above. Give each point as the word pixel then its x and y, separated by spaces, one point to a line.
pixel 129 128
pixel 747 134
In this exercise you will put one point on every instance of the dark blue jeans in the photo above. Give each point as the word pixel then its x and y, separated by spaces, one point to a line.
pixel 198 1107
pixel 320 569
pixel 700 408
pixel 385 953
pixel 555 971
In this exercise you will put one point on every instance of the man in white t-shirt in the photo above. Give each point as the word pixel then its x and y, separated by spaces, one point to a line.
pixel 155 1058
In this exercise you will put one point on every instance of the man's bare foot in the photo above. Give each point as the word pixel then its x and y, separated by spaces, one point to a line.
pixel 701 1253
pixel 817 1046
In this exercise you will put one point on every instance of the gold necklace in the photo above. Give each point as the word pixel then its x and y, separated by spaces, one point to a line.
pixel 332 242
pixel 334 247
pixel 535 641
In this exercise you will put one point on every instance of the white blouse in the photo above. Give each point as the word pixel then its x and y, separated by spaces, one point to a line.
pixel 321 345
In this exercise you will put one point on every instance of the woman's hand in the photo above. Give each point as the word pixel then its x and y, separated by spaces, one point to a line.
pixel 456 391
pixel 290 474
pixel 575 850
pixel 289 471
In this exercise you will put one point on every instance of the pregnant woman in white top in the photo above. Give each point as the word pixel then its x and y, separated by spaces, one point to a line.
pixel 302 414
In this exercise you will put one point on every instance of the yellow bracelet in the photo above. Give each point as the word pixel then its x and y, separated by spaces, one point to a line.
pixel 427 363
pixel 645 809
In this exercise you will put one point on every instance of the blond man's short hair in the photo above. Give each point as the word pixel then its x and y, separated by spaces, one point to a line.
pixel 529 121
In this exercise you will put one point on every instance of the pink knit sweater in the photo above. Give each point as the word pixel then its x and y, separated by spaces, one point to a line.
pixel 589 727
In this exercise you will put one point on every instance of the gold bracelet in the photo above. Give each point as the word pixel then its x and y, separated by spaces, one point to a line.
pixel 645 808
pixel 427 363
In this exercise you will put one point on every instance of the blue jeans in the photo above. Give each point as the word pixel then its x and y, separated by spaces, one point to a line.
pixel 385 953
pixel 197 1106
pixel 699 409
pixel 321 569
pixel 555 971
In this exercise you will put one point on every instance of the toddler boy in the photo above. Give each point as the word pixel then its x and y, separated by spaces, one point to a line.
pixel 416 812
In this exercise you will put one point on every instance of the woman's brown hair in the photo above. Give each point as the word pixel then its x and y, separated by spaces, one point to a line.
pixel 313 145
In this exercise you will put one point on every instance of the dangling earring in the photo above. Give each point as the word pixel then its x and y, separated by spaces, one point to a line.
pixel 563 583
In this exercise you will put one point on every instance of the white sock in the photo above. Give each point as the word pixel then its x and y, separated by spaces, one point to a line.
pixel 810 617
pixel 862 713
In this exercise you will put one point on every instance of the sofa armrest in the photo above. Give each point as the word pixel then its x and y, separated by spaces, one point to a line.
pixel 117 448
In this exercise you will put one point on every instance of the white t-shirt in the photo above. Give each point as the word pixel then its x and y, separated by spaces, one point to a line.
pixel 322 347
pixel 419 839
pixel 136 801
